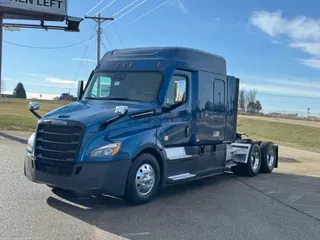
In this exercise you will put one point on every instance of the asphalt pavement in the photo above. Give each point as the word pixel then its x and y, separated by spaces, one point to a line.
pixel 282 205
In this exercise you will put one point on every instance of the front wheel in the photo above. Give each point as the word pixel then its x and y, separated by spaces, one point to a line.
pixel 143 180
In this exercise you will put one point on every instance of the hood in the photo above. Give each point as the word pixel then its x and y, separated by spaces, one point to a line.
pixel 95 111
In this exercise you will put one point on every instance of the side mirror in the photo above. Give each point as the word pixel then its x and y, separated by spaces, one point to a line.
pixel 180 90
pixel 34 106
pixel 121 110
pixel 80 90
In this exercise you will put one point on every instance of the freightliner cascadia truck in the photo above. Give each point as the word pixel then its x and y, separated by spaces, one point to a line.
pixel 147 118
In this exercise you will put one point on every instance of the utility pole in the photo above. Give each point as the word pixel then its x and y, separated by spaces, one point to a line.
pixel 98 19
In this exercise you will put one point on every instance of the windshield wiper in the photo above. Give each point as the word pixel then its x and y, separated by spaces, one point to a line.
pixel 117 98
pixel 91 98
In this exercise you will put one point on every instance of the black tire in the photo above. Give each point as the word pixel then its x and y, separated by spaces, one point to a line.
pixel 132 194
pixel 247 169
pixel 267 162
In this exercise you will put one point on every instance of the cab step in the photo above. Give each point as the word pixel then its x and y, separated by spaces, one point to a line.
pixel 182 176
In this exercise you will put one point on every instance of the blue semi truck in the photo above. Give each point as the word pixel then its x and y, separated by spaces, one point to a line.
pixel 147 118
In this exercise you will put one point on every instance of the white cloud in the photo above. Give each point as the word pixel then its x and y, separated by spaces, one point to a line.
pixel 181 6
pixel 312 48
pixel 302 31
pixel 268 22
pixel 285 81
pixel 52 85
pixel 60 81
pixel 85 59
pixel 299 28
pixel 32 75
pixel 7 79
pixel 311 62
pixel 273 89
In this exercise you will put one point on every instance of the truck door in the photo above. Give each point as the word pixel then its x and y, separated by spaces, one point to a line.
pixel 211 123
pixel 176 114
pixel 211 109
pixel 219 110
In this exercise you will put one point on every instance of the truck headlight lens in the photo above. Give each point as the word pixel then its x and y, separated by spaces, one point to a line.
pixel 31 143
pixel 107 150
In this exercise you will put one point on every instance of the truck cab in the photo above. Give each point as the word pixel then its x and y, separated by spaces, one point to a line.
pixel 147 118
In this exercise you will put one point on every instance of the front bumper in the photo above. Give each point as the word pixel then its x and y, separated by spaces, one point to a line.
pixel 95 178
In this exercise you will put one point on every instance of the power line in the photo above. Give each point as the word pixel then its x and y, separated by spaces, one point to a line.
pixel 37 47
pixel 83 57
pixel 105 7
pixel 143 15
pixel 107 40
pixel 94 7
pixel 105 46
pixel 127 12
pixel 121 42
pixel 121 10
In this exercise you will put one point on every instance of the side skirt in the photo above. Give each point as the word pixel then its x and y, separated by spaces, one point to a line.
pixel 187 177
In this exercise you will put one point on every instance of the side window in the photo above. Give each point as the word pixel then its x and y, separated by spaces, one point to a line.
pixel 101 87
pixel 177 91
pixel 219 95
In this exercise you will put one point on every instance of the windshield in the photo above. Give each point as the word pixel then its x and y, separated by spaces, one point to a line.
pixel 130 86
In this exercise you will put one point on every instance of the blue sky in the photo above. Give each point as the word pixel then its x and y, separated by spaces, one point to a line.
pixel 272 46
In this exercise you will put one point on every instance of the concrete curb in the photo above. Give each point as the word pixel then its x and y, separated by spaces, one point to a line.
pixel 21 137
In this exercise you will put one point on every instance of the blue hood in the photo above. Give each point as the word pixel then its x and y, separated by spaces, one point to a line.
pixel 95 111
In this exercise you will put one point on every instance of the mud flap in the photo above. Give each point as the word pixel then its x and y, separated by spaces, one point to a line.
pixel 277 155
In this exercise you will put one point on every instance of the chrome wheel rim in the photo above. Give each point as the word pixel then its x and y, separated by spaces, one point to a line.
pixel 270 156
pixel 255 160
pixel 145 179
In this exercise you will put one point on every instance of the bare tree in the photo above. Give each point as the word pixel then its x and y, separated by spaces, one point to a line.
pixel 242 101
pixel 250 96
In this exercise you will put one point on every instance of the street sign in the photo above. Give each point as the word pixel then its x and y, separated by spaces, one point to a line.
pixel 12 29
pixel 49 10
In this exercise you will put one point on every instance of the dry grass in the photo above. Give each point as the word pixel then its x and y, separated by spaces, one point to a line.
pixel 14 113
pixel 291 135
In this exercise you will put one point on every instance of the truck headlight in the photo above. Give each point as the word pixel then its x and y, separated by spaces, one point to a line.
pixel 31 143
pixel 107 150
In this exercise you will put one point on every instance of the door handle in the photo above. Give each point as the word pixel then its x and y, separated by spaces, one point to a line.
pixel 187 131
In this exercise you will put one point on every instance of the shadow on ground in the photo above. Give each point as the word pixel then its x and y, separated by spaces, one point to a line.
pixel 200 209
pixel 288 160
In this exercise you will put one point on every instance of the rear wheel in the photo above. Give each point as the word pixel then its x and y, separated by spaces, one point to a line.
pixel 268 157
pixel 252 167
pixel 143 180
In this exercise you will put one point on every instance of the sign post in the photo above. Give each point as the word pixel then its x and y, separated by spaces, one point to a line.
pixel 1 35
